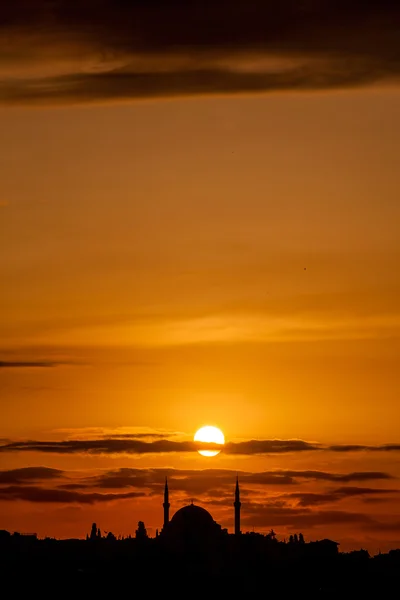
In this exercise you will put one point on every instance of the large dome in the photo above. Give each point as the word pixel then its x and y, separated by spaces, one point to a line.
pixel 192 517
pixel 192 528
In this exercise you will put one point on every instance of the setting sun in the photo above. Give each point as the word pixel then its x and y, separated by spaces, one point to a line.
pixel 209 434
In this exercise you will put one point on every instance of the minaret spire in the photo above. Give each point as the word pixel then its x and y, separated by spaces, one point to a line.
pixel 166 504
pixel 237 504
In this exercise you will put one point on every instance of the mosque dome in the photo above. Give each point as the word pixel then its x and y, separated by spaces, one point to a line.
pixel 192 517
pixel 192 526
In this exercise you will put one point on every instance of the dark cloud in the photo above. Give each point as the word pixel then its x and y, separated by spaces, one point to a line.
pixel 210 481
pixel 22 360
pixel 38 494
pixel 214 487
pixel 374 499
pixel 118 445
pixel 64 51
pixel 315 499
pixel 358 448
pixel 269 446
pixel 128 445
pixel 72 486
pixel 339 477
pixel 22 364
pixel 101 446
pixel 26 474
pixel 361 491
pixel 183 480
pixel 393 526
pixel 138 436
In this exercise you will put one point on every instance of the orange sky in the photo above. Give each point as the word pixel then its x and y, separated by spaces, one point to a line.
pixel 229 260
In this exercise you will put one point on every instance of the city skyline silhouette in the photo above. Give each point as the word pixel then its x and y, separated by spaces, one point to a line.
pixel 192 545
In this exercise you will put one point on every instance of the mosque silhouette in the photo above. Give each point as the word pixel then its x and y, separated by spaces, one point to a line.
pixel 194 556
pixel 194 525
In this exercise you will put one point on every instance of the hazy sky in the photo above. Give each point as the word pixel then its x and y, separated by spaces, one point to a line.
pixel 201 255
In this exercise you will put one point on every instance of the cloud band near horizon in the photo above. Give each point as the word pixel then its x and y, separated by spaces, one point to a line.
pixel 62 52
pixel 130 445
pixel 295 498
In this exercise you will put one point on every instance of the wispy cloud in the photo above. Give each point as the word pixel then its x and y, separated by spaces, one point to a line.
pixel 93 51
pixel 252 326
pixel 119 433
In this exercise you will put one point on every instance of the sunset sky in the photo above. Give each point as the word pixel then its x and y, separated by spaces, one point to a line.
pixel 199 224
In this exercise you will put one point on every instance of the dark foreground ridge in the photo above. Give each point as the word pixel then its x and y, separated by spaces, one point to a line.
pixel 238 565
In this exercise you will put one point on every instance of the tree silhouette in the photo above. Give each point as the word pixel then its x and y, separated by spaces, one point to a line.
pixel 93 532
pixel 141 532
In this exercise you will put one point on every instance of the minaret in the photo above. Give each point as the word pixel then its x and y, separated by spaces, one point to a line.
pixel 237 504
pixel 166 504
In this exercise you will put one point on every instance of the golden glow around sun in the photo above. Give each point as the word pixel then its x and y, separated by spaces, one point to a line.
pixel 209 434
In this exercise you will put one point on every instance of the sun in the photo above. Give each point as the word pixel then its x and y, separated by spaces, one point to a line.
pixel 209 434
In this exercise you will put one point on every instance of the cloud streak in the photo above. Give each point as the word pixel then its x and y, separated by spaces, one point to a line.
pixel 23 364
pixel 37 494
pixel 207 480
pixel 136 445
pixel 316 499
pixel 28 474
pixel 188 480
pixel 109 50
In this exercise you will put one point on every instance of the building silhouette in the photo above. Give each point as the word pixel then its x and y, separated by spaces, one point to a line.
pixel 193 527
pixel 193 547
pixel 166 504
